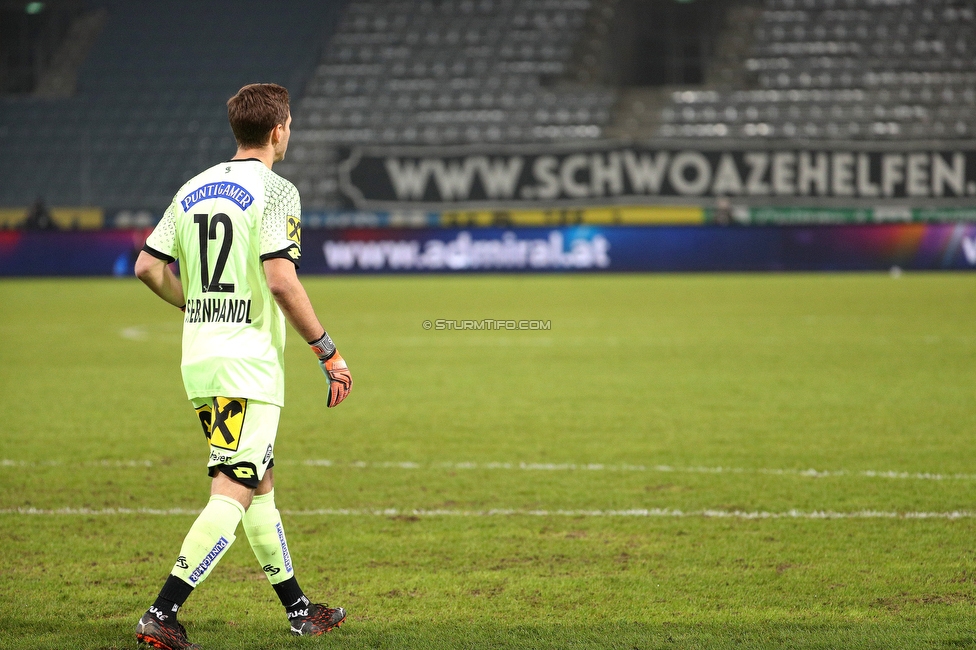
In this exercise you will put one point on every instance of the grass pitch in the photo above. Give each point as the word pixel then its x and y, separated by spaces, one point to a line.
pixel 762 461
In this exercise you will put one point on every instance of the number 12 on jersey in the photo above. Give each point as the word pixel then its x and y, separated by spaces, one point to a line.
pixel 208 232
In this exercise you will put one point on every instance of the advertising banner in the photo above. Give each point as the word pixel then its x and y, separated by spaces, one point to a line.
pixel 67 253
pixel 622 248
pixel 886 214
pixel 507 218
pixel 581 248
pixel 633 215
pixel 556 175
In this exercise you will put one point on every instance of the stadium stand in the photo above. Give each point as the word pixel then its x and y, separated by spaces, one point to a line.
pixel 450 72
pixel 149 107
pixel 428 72
pixel 841 70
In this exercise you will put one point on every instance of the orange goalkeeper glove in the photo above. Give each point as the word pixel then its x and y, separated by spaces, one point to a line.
pixel 334 368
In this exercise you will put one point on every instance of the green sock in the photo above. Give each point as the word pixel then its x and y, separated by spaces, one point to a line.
pixel 208 539
pixel 262 523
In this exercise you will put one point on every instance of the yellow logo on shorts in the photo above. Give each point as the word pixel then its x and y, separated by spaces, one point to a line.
pixel 227 423
pixel 243 472
pixel 205 413
pixel 294 230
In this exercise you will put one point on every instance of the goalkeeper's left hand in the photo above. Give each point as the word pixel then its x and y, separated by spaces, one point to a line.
pixel 334 368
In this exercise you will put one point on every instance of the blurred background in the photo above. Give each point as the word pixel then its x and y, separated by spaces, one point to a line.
pixel 668 134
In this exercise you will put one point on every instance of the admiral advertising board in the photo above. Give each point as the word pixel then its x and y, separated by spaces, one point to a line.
pixel 579 248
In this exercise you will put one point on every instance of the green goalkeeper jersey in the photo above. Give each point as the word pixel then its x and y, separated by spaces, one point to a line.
pixel 221 226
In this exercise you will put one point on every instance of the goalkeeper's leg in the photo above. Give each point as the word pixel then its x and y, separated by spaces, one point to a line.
pixel 206 542
pixel 262 524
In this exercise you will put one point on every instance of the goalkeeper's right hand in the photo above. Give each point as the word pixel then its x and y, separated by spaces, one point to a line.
pixel 334 368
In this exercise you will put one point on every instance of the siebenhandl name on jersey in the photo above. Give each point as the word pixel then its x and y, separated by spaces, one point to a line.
pixel 217 310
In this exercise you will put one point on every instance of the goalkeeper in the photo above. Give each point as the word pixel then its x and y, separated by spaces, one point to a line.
pixel 236 230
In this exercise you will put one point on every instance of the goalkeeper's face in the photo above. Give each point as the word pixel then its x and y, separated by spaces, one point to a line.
pixel 283 131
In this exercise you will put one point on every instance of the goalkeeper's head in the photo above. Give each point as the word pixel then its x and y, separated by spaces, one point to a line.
pixel 260 117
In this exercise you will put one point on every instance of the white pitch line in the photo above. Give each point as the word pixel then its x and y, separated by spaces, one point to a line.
pixel 633 513
pixel 6 462
pixel 541 467
pixel 134 333
pixel 600 467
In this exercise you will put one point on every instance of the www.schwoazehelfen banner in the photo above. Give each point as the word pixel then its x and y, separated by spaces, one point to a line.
pixel 522 177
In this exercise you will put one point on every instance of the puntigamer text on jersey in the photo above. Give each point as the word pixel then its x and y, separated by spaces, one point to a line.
pixel 231 191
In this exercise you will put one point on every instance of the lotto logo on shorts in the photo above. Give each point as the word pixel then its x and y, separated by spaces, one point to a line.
pixel 227 423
